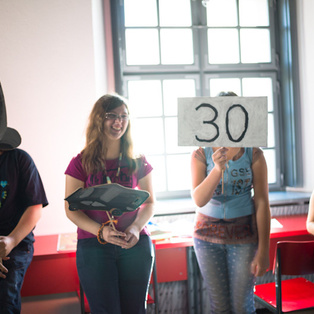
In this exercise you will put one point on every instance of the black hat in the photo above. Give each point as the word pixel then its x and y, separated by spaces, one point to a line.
pixel 9 138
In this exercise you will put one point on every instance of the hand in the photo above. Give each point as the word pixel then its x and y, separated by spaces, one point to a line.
pixel 113 236
pixel 3 270
pixel 132 236
pixel 220 158
pixel 6 245
pixel 260 265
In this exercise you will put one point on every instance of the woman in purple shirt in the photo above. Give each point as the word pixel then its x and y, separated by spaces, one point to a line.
pixel 114 263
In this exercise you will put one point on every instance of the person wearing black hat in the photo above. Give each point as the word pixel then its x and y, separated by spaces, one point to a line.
pixel 22 197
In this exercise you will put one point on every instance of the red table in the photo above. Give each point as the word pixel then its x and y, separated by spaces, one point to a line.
pixel 171 258
pixel 293 228
pixel 53 271
pixel 50 271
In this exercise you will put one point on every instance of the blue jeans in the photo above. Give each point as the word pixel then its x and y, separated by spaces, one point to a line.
pixel 226 271
pixel 115 280
pixel 10 287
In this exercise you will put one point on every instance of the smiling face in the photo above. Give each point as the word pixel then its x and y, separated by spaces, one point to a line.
pixel 115 126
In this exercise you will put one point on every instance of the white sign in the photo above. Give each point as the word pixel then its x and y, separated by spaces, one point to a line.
pixel 222 121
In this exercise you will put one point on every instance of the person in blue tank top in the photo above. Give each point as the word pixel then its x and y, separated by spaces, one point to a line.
pixel 232 225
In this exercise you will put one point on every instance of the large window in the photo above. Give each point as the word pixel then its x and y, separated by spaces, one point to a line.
pixel 165 49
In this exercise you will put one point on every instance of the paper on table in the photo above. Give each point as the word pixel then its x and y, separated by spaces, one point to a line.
pixel 274 223
pixel 67 241
pixel 164 230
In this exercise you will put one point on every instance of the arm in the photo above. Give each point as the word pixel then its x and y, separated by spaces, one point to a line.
pixel 203 187
pixel 26 224
pixel 310 216
pixel 145 212
pixel 260 263
pixel 84 222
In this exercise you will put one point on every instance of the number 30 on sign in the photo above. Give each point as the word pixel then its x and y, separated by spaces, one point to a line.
pixel 222 121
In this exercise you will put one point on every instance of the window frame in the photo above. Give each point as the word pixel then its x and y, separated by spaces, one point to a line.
pixel 286 92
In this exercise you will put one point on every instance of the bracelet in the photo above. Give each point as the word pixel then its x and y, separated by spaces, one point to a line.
pixel 100 238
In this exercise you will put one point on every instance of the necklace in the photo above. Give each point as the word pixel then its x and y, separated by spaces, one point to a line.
pixel 237 155
pixel 118 171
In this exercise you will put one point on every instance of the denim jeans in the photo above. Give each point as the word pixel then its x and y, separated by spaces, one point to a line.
pixel 115 280
pixel 10 287
pixel 226 271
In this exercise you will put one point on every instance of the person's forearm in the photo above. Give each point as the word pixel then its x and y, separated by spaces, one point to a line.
pixel 82 221
pixel 144 214
pixel 26 224
pixel 263 228
pixel 310 227
pixel 203 193
pixel 310 216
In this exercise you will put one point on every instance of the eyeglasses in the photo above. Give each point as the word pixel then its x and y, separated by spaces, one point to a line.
pixel 114 116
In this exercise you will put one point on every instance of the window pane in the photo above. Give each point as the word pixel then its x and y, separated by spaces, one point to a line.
pixel 218 15
pixel 145 98
pixel 223 46
pixel 148 135
pixel 135 17
pixel 142 46
pixel 253 13
pixel 255 45
pixel 271 131
pixel 172 90
pixel 254 87
pixel 179 174
pixel 159 174
pixel 168 13
pixel 176 46
pixel 226 85
pixel 171 127
pixel 271 164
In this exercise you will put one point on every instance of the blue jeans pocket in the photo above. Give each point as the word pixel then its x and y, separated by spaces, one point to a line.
pixel 10 287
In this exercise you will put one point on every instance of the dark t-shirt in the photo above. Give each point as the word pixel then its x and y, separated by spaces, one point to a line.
pixel 20 187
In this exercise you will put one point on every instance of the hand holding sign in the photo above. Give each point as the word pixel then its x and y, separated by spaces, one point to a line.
pixel 222 121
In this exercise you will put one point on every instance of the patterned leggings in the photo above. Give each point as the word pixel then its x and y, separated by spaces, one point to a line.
pixel 226 271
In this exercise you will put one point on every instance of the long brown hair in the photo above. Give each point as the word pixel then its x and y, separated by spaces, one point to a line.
pixel 94 152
